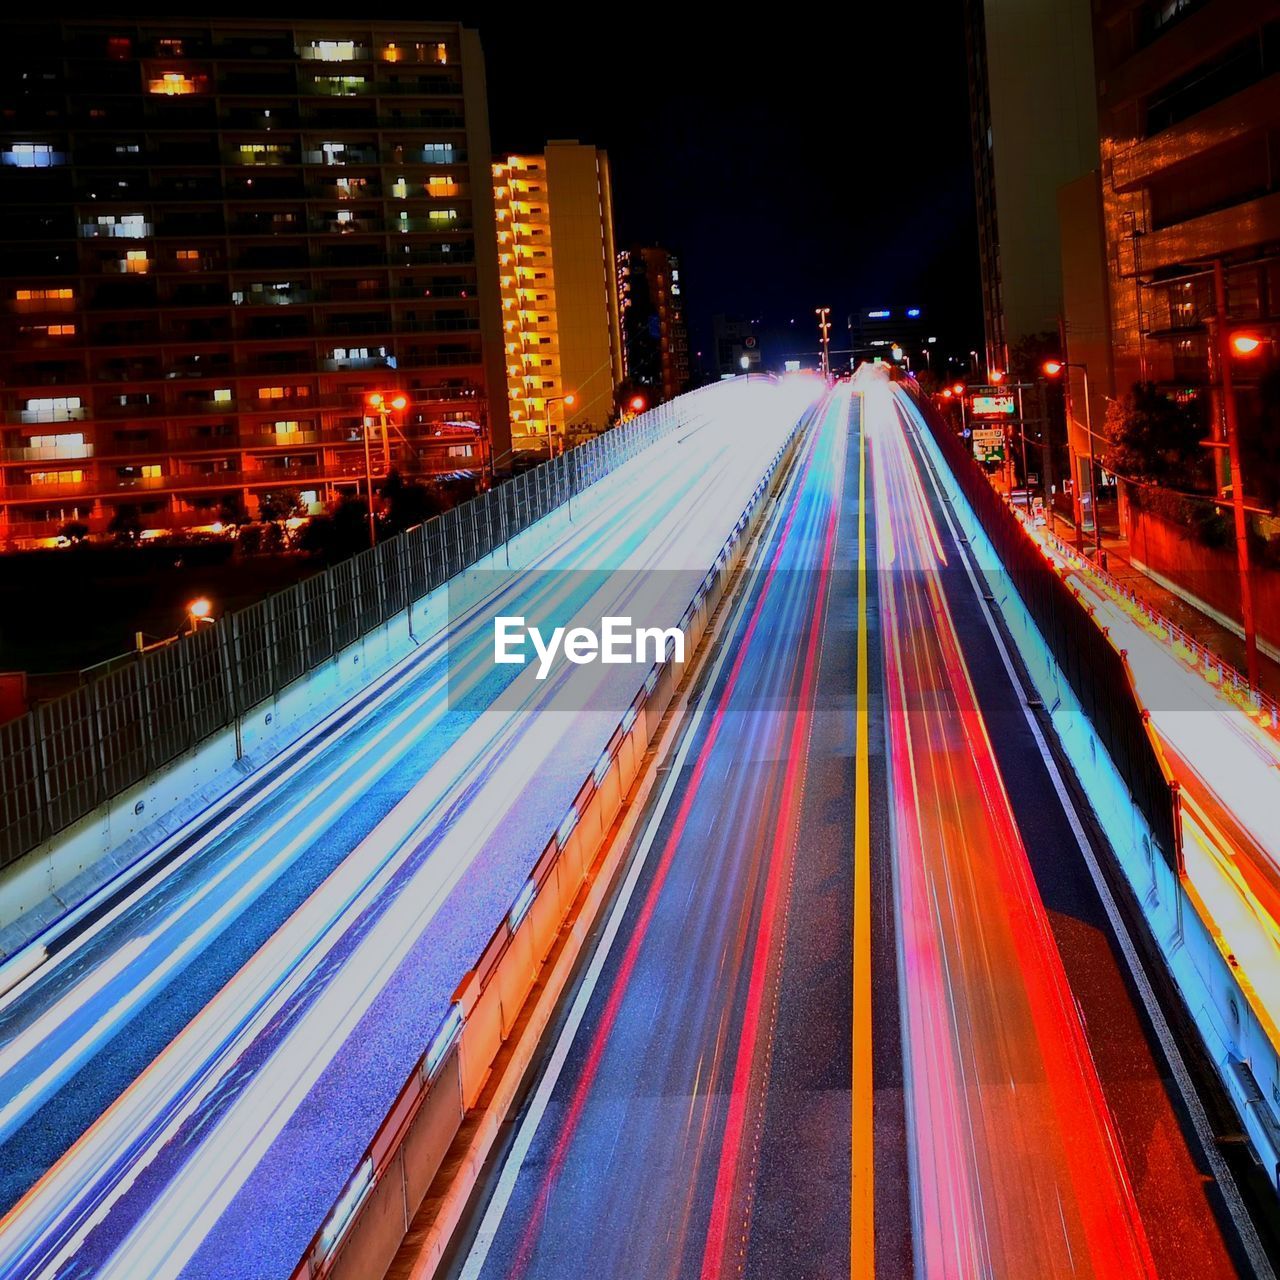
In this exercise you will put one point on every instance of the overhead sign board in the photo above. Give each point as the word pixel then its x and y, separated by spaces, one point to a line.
pixel 993 406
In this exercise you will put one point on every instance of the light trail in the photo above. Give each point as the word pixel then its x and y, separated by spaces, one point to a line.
pixel 1016 1168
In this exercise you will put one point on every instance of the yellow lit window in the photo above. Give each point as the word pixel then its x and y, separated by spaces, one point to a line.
pixel 288 427
pixel 222 395
pixel 173 84
pixel 57 477
pixel 442 215
pixel 400 189
pixel 135 262
pixel 188 255
pixel 151 471
pixel 61 330
pixel 333 50
pixel 44 295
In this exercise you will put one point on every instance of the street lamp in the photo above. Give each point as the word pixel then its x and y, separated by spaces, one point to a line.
pixel 1053 369
pixel 383 403
pixel 824 328
pixel 1246 346
pixel 637 404
pixel 199 610
pixel 568 401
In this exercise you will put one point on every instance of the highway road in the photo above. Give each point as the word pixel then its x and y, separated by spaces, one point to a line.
pixel 217 1050
pixel 742 1082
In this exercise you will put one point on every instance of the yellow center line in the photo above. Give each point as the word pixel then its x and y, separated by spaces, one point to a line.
pixel 862 1248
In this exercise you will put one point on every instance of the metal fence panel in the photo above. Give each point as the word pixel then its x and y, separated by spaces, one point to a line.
pixel 254 680
pixel 290 652
pixel 346 603
pixel 317 619
pixel 22 811
pixel 70 759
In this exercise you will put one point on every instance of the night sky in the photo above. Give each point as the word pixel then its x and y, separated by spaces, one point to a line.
pixel 790 163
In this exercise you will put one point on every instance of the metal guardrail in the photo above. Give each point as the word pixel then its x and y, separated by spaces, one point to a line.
pixel 1231 681
pixel 1096 670
pixel 69 755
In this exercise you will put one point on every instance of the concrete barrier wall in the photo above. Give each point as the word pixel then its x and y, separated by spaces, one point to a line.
pixel 367 1224
pixel 1233 1026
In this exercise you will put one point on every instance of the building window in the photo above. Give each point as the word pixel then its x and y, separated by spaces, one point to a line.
pixel 437 152
pixel 331 51
pixel 288 427
pixel 53 409
pixel 442 215
pixel 124 226
pixel 222 395
pixel 260 152
pixel 135 263
pixel 33 155
pixel 400 189
pixel 334 152
pixel 175 84
pixel 57 477
pixel 151 471
pixel 44 295
pixel 340 86
pixel 187 255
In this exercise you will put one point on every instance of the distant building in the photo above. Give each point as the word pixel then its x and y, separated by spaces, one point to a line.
pixel 737 346
pixel 655 340
pixel 558 280
pixel 1033 127
pixel 876 329
pixel 218 235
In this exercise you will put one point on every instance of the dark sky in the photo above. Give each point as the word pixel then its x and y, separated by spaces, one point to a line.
pixel 791 162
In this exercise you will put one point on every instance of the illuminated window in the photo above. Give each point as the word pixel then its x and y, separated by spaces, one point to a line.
pixel 174 84
pixel 57 477
pixel 222 395
pixel 135 262
pixel 349 188
pixel 442 215
pixel 72 440
pixel 259 152
pixel 127 149
pixel 188 255
pixel 124 226
pixel 334 152
pixel 437 152
pixel 171 45
pixel 340 86
pixel 53 409
pixel 288 427
pixel 400 189
pixel 151 471
pixel 52 330
pixel 345 215
pixel 442 53
pixel 44 295
pixel 332 50
pixel 33 155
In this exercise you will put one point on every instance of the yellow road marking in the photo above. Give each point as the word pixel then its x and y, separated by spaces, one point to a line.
pixel 862 1248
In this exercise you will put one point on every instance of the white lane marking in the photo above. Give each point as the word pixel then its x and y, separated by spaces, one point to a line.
pixel 1182 1076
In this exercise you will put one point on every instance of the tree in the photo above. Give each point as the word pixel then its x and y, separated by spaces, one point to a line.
pixel 275 505
pixel 408 502
pixel 74 532
pixel 231 510
pixel 126 524
pixel 1155 440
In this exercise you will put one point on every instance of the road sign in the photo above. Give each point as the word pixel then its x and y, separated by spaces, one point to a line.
pixel 992 406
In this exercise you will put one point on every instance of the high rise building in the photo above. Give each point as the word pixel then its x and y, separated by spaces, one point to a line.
pixel 737 346
pixel 1189 115
pixel 1033 125
pixel 219 236
pixel 654 337
pixel 556 257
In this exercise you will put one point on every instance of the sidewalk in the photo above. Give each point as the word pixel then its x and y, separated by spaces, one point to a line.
pixel 1213 635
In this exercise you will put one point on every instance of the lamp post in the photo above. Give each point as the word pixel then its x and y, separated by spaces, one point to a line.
pixel 824 328
pixel 1247 346
pixel 382 403
pixel 568 401
pixel 1053 368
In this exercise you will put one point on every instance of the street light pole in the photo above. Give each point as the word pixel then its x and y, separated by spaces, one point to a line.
pixel 368 480
pixel 1053 368
pixel 382 404
pixel 824 328
pixel 1230 419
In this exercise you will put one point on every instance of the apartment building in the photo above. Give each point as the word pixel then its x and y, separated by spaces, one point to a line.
pixel 556 256
pixel 218 238
pixel 654 335
pixel 1189 118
